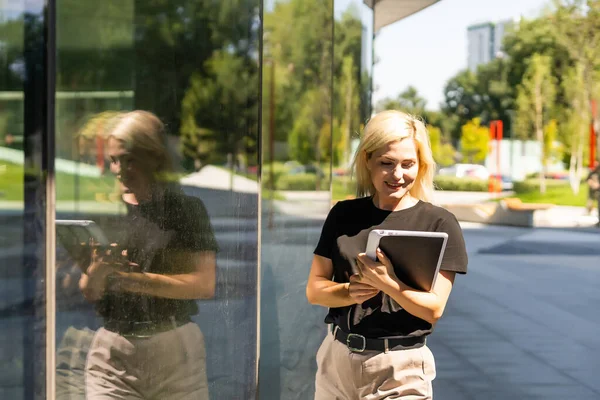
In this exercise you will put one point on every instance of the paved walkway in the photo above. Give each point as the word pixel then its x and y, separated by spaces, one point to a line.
pixel 523 323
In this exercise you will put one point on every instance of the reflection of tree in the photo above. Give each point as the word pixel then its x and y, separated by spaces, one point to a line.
pixel 219 110
pixel 300 45
pixel 175 39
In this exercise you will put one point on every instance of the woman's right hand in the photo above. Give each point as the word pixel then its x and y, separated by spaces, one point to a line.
pixel 94 281
pixel 360 292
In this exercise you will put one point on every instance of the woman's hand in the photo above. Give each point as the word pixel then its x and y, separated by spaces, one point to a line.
pixel 359 291
pixel 378 275
pixel 93 282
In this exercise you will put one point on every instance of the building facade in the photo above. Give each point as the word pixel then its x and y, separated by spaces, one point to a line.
pixel 485 42
pixel 259 104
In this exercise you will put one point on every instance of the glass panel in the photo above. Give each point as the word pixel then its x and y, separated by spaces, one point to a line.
pixel 352 88
pixel 297 126
pixel 22 200
pixel 172 310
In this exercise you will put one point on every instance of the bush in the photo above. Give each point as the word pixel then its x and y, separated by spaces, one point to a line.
pixel 460 184
pixel 301 182
pixel 533 185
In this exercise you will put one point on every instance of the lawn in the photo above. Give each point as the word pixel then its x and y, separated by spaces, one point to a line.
pixel 68 186
pixel 558 194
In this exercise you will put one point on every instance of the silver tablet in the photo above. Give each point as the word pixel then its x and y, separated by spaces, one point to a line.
pixel 415 255
pixel 76 236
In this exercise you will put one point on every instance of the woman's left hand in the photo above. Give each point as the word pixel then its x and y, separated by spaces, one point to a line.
pixel 378 274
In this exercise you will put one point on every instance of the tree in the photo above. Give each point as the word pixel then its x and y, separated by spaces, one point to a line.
pixel 443 153
pixel 474 141
pixel 575 119
pixel 299 41
pixel 535 99
pixel 483 94
pixel 578 30
pixel 408 101
pixel 220 111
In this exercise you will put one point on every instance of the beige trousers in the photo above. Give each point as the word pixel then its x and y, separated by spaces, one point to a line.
pixel 166 366
pixel 372 375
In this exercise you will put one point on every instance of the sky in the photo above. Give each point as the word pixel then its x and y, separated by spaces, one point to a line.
pixel 426 49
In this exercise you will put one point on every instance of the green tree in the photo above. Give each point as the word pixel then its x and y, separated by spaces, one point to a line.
pixel 408 101
pixel 299 41
pixel 578 31
pixel 219 111
pixel 535 100
pixel 443 153
pixel 474 141
pixel 483 94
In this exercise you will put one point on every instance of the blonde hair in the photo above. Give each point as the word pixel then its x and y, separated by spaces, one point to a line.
pixel 387 127
pixel 143 135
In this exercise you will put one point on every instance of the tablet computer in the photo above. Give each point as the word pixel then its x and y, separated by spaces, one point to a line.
pixel 76 237
pixel 415 255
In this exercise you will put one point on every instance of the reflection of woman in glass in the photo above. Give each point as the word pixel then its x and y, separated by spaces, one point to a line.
pixel 148 347
pixel 377 348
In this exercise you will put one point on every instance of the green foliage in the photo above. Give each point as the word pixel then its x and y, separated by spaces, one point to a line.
pixel 443 153
pixel 553 150
pixel 533 185
pixel 209 133
pixel 483 94
pixel 442 182
pixel 408 101
pixel 302 182
pixel 474 141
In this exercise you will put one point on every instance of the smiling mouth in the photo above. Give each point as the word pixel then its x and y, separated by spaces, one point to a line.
pixel 394 185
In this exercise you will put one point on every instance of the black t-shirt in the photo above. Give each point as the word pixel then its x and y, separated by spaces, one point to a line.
pixel 152 232
pixel 345 234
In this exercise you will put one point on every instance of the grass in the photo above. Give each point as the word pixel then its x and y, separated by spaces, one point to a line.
pixel 560 195
pixel 67 186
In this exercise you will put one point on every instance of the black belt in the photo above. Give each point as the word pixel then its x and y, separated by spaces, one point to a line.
pixel 144 328
pixel 358 343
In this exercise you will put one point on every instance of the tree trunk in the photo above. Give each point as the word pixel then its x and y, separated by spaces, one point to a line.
pixel 573 179
pixel 539 132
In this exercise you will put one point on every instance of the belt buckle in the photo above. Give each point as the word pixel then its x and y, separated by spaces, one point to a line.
pixel 356 349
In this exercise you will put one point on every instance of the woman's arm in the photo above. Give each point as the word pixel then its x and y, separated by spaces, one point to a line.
pixel 199 284
pixel 321 290
pixel 428 306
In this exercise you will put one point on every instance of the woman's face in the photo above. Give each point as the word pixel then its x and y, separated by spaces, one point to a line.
pixel 127 168
pixel 394 168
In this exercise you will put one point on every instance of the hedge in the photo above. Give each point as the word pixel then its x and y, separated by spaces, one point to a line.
pixel 442 182
pixel 533 185
pixel 301 182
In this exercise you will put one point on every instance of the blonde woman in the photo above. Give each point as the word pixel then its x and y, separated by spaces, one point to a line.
pixel 376 346
pixel 148 347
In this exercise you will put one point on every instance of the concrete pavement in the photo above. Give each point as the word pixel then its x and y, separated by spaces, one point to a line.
pixel 523 323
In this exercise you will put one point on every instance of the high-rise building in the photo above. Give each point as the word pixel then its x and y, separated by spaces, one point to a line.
pixel 485 42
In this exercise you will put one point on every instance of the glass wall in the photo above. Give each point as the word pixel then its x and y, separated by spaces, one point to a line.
pixel 157 110
pixel 296 171
pixel 23 105
pixel 316 76
pixel 196 147
pixel 353 70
